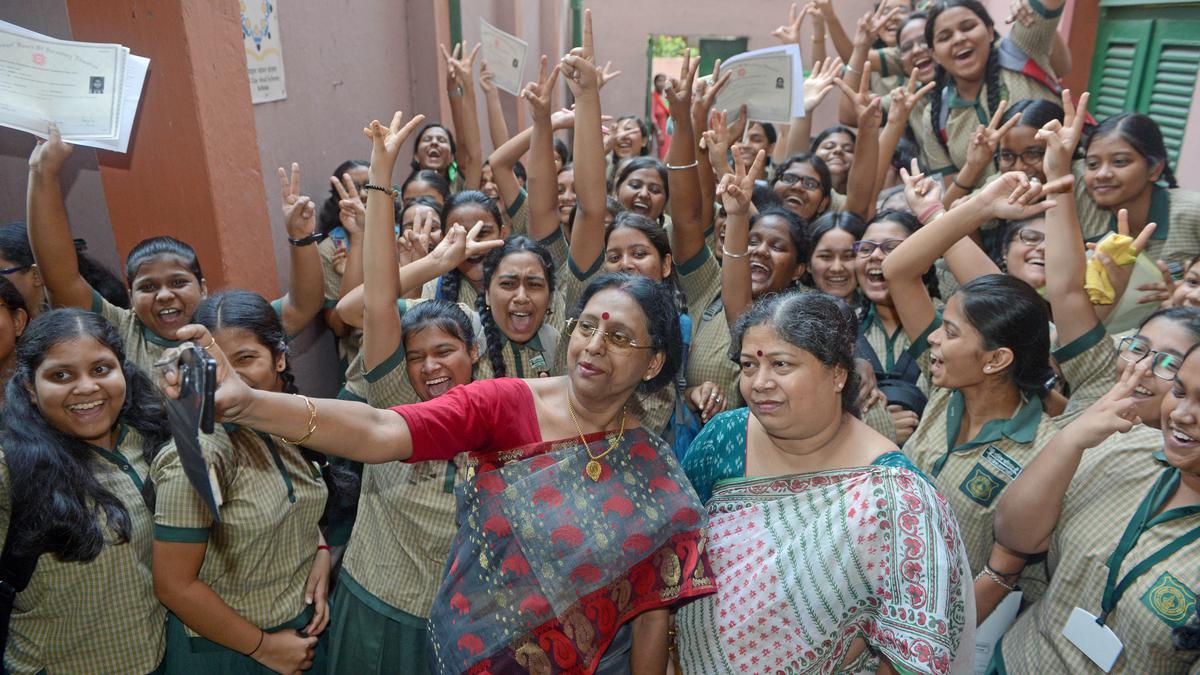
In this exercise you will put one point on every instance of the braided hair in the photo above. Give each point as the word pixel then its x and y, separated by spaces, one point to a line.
pixel 991 73
pixel 452 280
pixel 491 332
pixel 1144 135
pixel 58 504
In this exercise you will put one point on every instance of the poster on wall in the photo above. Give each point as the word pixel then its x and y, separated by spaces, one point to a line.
pixel 264 57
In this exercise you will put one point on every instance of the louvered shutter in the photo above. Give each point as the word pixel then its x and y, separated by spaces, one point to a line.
pixel 1122 48
pixel 1173 61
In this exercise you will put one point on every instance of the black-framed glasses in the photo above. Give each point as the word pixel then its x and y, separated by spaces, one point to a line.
pixel 1030 236
pixel 615 339
pixel 1164 366
pixel 865 248
pixel 13 270
pixel 806 182
pixel 1030 157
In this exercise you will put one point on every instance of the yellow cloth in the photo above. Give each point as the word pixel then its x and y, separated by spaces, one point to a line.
pixel 1119 249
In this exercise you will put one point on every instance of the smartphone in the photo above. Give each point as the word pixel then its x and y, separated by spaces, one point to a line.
pixel 198 384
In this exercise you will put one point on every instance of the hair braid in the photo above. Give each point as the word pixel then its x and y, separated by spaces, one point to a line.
pixel 991 75
pixel 935 106
pixel 448 289
pixel 491 333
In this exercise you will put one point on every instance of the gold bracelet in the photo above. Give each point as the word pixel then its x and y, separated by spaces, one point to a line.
pixel 312 422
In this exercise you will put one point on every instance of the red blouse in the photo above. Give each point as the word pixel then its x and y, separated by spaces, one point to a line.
pixel 484 415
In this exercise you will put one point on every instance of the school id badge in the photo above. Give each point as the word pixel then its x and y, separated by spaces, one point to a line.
pixel 1095 640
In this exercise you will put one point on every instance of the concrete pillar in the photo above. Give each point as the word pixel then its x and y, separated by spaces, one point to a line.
pixel 193 169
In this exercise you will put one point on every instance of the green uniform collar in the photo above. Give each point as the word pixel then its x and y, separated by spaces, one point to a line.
pixel 1160 213
pixel 1020 428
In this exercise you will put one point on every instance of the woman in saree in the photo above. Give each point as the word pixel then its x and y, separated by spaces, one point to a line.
pixel 555 456
pixel 831 550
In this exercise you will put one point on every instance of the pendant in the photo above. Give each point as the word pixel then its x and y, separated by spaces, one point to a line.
pixel 592 470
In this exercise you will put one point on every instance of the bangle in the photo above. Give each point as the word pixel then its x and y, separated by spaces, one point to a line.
pixel 262 634
pixel 391 192
pixel 324 547
pixel 925 219
pixel 312 422
pixel 960 185
pixel 852 69
pixel 681 167
pixel 725 252
pixel 456 92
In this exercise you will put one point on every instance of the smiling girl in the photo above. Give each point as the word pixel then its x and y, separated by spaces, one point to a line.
pixel 81 425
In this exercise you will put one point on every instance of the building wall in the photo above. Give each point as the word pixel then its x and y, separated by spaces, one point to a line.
pixel 86 207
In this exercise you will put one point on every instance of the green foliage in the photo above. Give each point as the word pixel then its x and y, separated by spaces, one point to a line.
pixel 670 45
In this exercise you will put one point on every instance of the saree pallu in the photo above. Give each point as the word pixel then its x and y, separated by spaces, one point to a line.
pixel 807 563
pixel 548 564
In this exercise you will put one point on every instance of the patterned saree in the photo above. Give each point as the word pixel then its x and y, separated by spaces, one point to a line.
pixel 547 564
pixel 807 563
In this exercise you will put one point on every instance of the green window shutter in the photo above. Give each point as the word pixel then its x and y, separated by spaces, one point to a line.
pixel 1121 51
pixel 1172 65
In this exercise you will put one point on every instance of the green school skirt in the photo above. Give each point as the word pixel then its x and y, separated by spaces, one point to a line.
pixel 370 636
pixel 190 655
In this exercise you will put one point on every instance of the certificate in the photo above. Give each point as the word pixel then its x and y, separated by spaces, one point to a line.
pixel 770 82
pixel 505 56
pixel 76 84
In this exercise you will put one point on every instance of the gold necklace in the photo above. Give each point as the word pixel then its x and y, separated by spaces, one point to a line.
pixel 593 468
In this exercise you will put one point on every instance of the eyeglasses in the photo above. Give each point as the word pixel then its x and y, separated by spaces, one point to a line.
pixel 907 47
pixel 13 270
pixel 1164 366
pixel 617 340
pixel 866 248
pixel 806 182
pixel 1031 157
pixel 1030 236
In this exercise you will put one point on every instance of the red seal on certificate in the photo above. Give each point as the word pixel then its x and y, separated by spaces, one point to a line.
pixel 39 58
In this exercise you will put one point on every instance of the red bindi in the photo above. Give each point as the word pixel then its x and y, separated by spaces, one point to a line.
pixel 760 352
pixel 604 315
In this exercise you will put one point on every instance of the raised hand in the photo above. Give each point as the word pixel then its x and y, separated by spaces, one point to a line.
pixel 607 74
pixel 457 245
pixel 986 140
pixel 386 143
pixel 737 188
pixel 579 65
pixel 540 94
pixel 487 79
pixel 459 65
pixel 705 93
pixel 1021 12
pixel 352 210
pixel 822 80
pixel 679 90
pixel 871 117
pixel 564 119
pixel 1015 196
pixel 862 97
pixel 715 142
pixel 789 33
pixel 1112 414
pixel 1062 138
pixel 904 99
pixel 299 212
pixel 50 154
pixel 920 191
pixel 878 20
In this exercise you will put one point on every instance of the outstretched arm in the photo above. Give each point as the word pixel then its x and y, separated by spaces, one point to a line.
pixel 49 232
pixel 735 191
pixel 579 69
pixel 684 180
pixel 463 113
pixel 497 126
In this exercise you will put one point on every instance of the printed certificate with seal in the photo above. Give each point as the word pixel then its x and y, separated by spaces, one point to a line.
pixel 505 56
pixel 76 84
pixel 770 82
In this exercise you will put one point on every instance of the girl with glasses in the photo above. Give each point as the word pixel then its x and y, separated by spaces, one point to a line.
pixel 1130 565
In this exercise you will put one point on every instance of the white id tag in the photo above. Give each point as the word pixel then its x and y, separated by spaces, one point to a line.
pixel 1097 642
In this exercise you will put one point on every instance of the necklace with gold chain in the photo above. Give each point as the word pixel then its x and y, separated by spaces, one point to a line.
pixel 593 467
